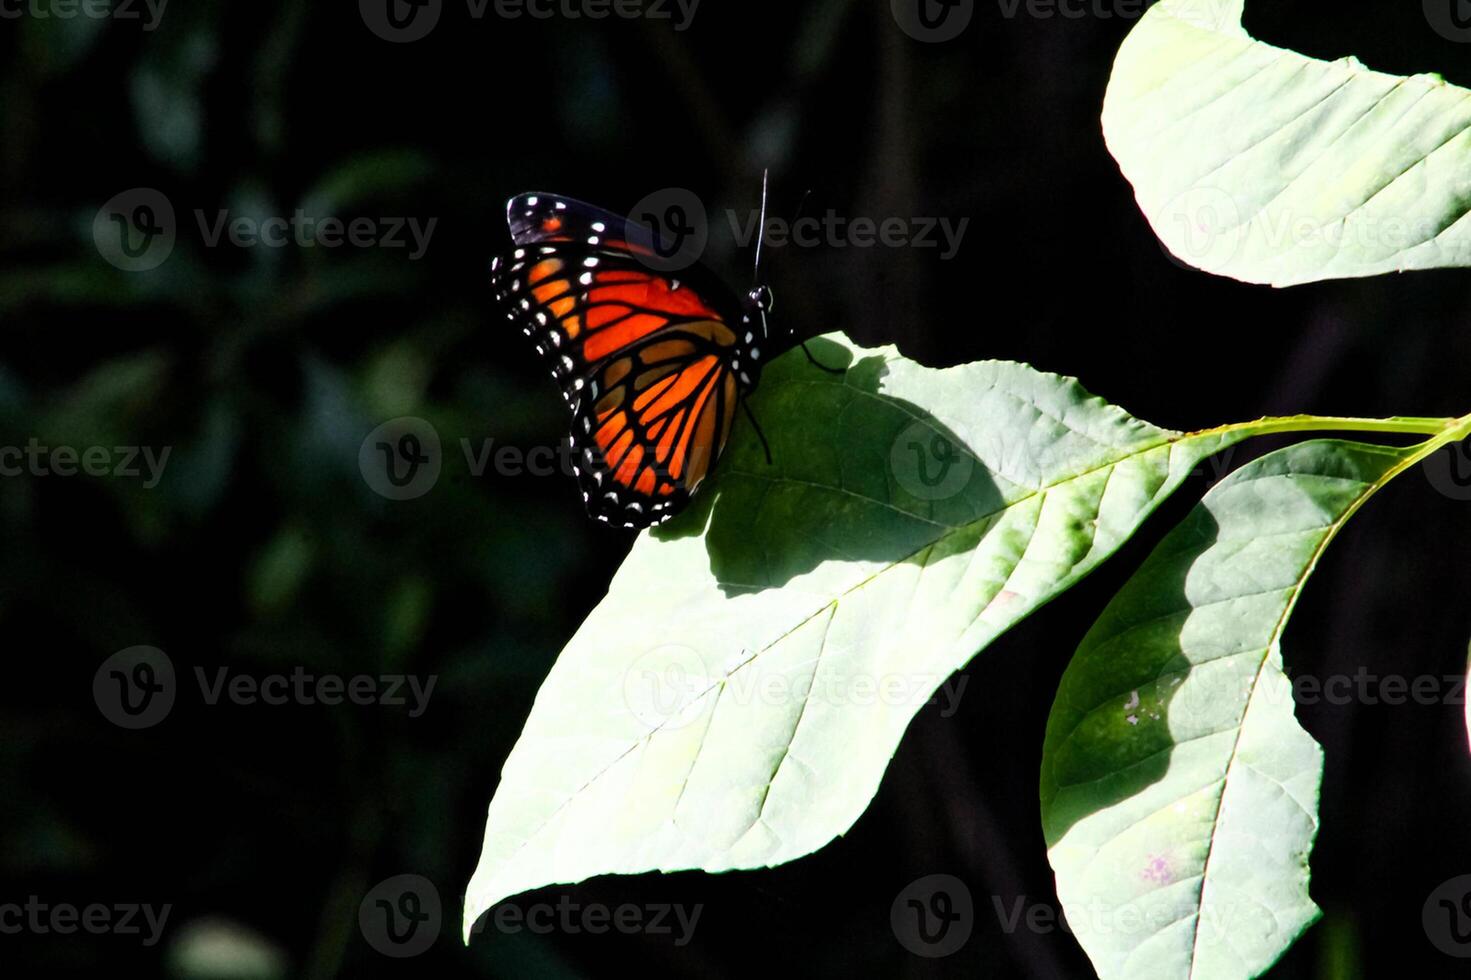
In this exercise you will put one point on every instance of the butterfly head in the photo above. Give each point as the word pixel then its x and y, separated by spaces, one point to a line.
pixel 755 334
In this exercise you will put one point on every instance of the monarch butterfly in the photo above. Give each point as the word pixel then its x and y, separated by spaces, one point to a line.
pixel 652 360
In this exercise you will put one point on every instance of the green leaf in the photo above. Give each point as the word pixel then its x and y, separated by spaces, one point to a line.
pixel 1265 165
pixel 280 570
pixel 734 700
pixel 1179 793
pixel 168 93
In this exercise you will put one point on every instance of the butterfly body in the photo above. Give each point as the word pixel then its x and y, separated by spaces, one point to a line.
pixel 652 352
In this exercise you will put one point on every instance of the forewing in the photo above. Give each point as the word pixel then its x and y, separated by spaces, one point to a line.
pixel 582 306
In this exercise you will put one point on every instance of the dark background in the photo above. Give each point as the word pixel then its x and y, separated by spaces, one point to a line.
pixel 263 549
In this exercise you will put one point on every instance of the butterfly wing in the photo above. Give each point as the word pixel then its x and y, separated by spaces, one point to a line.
pixel 540 218
pixel 648 362
pixel 657 417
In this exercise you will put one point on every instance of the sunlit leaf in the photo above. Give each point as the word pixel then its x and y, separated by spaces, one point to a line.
pixel 1259 163
pixel 734 700
pixel 1179 793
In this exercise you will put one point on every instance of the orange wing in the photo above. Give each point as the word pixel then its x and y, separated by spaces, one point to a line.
pixel 658 418
pixel 582 311
pixel 647 362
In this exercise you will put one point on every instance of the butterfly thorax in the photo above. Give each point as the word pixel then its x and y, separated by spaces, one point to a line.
pixel 752 342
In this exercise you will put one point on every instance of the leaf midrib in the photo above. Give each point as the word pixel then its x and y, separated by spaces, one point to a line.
pixel 1274 641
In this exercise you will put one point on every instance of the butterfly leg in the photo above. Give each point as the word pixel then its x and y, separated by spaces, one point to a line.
pixel 757 426
pixel 818 364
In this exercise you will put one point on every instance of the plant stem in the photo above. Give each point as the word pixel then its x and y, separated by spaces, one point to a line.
pixel 1330 423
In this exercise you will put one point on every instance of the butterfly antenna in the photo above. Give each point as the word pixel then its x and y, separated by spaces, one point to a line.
pixel 801 204
pixel 757 426
pixel 760 231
